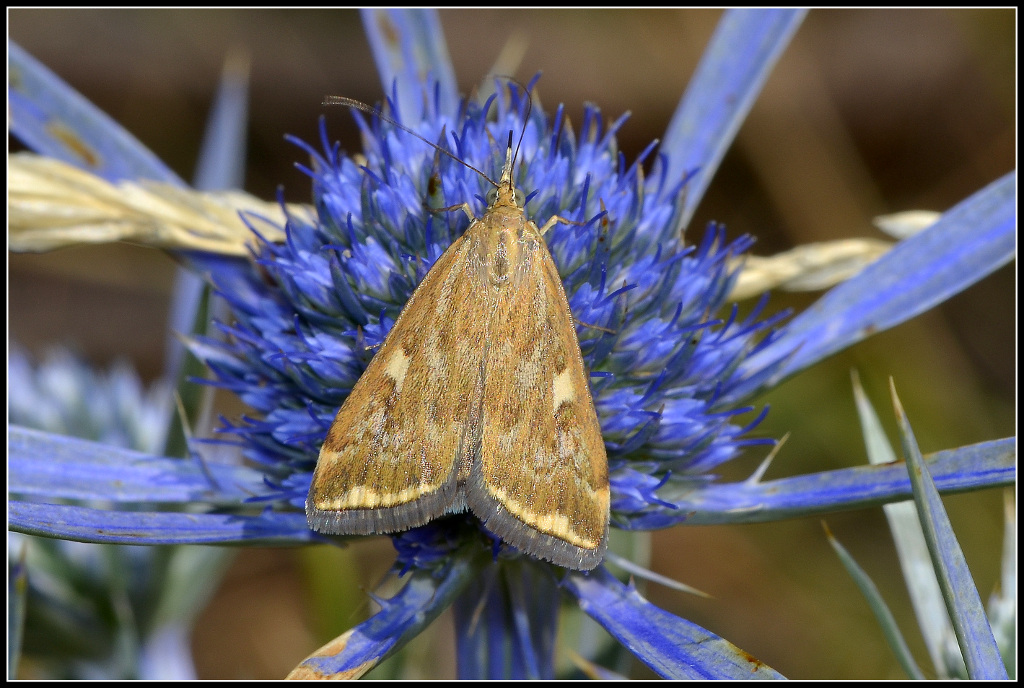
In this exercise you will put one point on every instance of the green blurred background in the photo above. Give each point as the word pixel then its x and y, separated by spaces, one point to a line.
pixel 868 112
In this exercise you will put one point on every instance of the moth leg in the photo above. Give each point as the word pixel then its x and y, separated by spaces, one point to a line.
pixel 593 326
pixel 461 206
pixel 467 209
pixel 555 220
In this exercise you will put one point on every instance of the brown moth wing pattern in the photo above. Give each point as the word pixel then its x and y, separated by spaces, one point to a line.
pixel 389 462
pixel 540 481
pixel 477 399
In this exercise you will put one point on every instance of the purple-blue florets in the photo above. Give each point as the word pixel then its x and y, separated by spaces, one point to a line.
pixel 649 307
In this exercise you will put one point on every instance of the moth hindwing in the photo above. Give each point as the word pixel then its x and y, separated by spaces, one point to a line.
pixel 478 399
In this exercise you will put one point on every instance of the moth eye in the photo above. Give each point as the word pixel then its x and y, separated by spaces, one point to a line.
pixel 492 196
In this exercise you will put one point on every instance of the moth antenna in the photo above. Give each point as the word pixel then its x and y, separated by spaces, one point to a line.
pixel 526 117
pixel 359 105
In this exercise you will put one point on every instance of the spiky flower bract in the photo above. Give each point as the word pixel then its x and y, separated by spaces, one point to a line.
pixel 672 367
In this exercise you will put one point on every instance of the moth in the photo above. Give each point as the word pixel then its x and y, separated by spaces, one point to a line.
pixel 478 400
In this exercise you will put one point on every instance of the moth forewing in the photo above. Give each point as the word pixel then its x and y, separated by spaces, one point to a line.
pixel 478 398
pixel 389 460
pixel 541 483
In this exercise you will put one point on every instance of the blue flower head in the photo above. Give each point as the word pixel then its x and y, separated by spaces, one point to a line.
pixel 647 302
pixel 672 365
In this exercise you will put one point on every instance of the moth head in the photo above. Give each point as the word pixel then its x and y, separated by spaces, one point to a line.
pixel 505 190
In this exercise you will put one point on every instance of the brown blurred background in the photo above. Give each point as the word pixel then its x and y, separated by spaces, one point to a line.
pixel 867 112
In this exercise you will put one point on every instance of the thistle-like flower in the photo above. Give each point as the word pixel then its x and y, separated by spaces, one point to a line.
pixel 673 368
pixel 78 598
pixel 662 360
pixel 647 302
